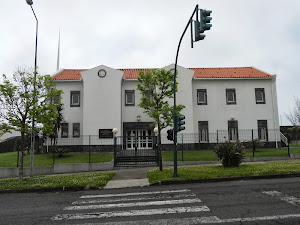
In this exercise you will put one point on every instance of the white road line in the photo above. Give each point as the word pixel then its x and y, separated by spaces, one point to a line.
pixel 135 194
pixel 134 204
pixel 99 215
pixel 134 199
pixel 287 198
pixel 198 220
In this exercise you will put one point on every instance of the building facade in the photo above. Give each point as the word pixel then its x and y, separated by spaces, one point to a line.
pixel 221 104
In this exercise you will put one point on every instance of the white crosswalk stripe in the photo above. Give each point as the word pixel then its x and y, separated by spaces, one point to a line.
pixel 172 201
pixel 125 199
pixel 135 194
pixel 284 197
pixel 161 211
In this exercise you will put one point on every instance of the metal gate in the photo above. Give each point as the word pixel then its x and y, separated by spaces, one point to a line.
pixel 135 150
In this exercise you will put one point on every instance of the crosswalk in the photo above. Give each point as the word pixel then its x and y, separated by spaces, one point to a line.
pixel 134 205
pixel 176 207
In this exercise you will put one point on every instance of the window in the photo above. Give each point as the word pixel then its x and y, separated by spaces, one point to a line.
pixel 262 130
pixel 129 98
pixel 76 129
pixel 230 97
pixel 260 96
pixel 203 131
pixel 56 99
pixel 201 97
pixel 64 130
pixel 233 132
pixel 75 99
pixel 150 97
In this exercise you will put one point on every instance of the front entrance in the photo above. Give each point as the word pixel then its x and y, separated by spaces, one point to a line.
pixel 140 139
pixel 139 148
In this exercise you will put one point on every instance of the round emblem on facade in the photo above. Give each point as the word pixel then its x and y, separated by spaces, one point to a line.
pixel 101 73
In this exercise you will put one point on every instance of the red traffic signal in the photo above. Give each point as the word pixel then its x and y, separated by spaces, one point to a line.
pixel 170 134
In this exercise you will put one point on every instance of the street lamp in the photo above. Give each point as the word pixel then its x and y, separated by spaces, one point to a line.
pixel 115 131
pixel 29 2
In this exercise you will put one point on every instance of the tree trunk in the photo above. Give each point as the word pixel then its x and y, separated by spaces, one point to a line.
pixel 22 157
pixel 159 150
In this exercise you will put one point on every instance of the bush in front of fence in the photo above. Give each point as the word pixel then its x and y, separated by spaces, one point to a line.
pixel 230 154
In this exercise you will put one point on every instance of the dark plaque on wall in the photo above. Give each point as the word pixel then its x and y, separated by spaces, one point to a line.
pixel 105 133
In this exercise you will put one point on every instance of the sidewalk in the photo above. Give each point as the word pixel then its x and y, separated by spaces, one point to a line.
pixel 129 177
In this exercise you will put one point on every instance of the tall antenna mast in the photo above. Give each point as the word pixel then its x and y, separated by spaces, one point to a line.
pixel 57 66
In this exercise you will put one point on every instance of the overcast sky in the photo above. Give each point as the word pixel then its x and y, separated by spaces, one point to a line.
pixel 141 33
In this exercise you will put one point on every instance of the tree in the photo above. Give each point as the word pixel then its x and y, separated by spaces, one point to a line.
pixel 294 115
pixel 21 102
pixel 157 87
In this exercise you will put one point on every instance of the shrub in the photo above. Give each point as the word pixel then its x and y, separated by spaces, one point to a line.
pixel 230 154
pixel 61 151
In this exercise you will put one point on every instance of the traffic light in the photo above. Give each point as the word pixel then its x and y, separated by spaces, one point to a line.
pixel 170 134
pixel 198 35
pixel 205 20
pixel 180 122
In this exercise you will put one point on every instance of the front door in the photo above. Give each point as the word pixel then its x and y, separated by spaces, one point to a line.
pixel 141 139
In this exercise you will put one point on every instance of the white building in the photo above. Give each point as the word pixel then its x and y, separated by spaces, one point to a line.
pixel 220 104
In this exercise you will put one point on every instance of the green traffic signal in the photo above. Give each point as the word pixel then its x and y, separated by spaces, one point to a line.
pixel 180 122
pixel 205 20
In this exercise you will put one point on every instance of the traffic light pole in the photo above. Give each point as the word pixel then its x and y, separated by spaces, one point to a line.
pixel 175 111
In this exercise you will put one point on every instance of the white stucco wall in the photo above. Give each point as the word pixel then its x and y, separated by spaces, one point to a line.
pixel 245 111
pixel 71 114
pixel 101 100
pixel 130 113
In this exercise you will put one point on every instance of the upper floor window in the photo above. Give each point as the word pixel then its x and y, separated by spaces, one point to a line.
pixel 230 97
pixel 75 99
pixel 150 97
pixel 260 96
pixel 64 130
pixel 201 97
pixel 129 97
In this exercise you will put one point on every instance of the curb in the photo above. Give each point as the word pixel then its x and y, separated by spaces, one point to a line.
pixel 221 179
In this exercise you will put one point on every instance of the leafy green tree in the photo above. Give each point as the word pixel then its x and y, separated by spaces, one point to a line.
pixel 157 87
pixel 21 102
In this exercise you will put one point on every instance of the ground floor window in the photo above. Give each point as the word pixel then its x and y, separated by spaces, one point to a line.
pixel 262 130
pixel 64 130
pixel 203 131
pixel 233 134
pixel 76 129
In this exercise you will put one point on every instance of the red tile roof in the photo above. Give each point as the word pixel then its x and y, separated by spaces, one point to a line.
pixel 238 72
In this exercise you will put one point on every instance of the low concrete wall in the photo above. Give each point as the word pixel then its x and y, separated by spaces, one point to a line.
pixel 295 156
pixel 57 169
pixel 81 167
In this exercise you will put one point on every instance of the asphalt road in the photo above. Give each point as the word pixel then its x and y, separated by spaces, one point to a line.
pixel 270 201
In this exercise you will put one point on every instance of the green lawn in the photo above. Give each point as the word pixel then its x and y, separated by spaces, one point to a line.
pixel 204 172
pixel 9 159
pixel 76 180
pixel 209 155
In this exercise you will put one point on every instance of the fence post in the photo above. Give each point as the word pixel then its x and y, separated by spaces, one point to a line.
pixel 89 149
pixel 156 149
pixel 217 136
pixel 253 146
pixel 288 140
pixel 115 150
pixel 182 147
pixel 135 150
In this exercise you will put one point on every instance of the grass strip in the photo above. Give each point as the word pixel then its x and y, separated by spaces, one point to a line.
pixel 206 172
pixel 209 155
pixel 9 159
pixel 74 180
